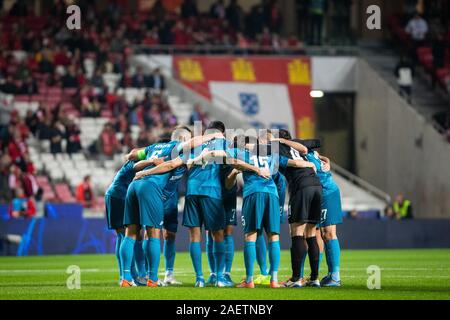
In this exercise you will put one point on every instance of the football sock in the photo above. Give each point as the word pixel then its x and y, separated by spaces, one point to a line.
pixel 117 251
pixel 328 258
pixel 169 254
pixel 298 256
pixel 195 250
pixel 229 252
pixel 147 263
pixel 139 258
pixel 261 254
pixel 249 259
pixel 154 252
pixel 313 254
pixel 209 252
pixel 320 259
pixel 334 253
pixel 302 263
pixel 219 258
pixel 274 258
pixel 126 256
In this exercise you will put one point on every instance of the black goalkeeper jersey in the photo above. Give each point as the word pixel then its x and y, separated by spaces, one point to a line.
pixel 298 178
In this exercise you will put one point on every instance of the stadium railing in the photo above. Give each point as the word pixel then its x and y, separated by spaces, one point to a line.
pixel 361 183
pixel 342 50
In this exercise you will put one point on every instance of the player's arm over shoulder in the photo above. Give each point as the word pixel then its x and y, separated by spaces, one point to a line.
pixel 138 166
pixel 161 168
pixel 295 144
pixel 230 180
pixel 137 154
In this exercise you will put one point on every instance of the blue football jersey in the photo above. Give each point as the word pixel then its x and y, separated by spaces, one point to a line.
pixel 205 180
pixel 280 182
pixel 121 181
pixel 166 150
pixel 326 178
pixel 225 172
pixel 253 182
pixel 170 191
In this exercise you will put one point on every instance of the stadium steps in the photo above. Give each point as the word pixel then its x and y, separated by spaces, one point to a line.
pixel 426 101
pixel 357 198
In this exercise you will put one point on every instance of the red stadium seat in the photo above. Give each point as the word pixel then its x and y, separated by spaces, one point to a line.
pixel 63 193
pixel 442 75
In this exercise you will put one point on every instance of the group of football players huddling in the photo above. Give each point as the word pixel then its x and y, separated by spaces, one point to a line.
pixel 143 199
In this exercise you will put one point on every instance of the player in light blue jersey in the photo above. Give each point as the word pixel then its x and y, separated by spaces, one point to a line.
pixel 331 216
pixel 115 203
pixel 170 226
pixel 229 197
pixel 263 278
pixel 144 205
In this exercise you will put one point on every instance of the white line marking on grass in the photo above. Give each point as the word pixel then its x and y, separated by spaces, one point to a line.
pixel 187 272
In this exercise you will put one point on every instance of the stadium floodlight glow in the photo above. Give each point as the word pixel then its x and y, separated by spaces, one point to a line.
pixel 316 94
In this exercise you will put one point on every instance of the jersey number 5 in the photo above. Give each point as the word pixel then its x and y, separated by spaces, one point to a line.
pixel 155 154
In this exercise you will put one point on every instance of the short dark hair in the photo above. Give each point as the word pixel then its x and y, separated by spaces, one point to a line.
pixel 183 127
pixel 285 134
pixel 239 141
pixel 251 139
pixel 218 125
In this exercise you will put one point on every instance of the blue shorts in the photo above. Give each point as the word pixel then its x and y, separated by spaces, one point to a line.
pixel 144 205
pixel 282 199
pixel 171 216
pixel 261 210
pixel 115 210
pixel 199 210
pixel 229 205
pixel 331 209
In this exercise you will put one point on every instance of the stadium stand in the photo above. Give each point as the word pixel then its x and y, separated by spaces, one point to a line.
pixel 68 87
pixel 431 58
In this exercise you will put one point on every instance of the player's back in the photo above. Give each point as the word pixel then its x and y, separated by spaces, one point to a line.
pixel 253 182
pixel 297 178
pixel 121 181
pixel 278 177
pixel 325 177
pixel 205 180
pixel 161 150
pixel 170 191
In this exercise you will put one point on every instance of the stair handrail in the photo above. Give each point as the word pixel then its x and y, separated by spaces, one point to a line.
pixel 354 179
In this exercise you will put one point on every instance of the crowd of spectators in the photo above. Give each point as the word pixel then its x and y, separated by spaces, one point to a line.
pixel 17 173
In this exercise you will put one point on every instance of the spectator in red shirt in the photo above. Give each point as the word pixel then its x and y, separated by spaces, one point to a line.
pixel 109 144
pixel 151 37
pixel 180 37
pixel 265 38
pixel 16 147
pixel 61 57
pixel 85 193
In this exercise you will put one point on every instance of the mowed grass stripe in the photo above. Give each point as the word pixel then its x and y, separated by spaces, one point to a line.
pixel 405 274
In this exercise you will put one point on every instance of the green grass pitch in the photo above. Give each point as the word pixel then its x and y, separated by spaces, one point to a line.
pixel 405 274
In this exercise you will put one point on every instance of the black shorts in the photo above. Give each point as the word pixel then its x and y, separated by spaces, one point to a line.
pixel 305 205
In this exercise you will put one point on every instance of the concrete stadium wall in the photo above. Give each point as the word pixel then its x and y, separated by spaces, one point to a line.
pixel 397 150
